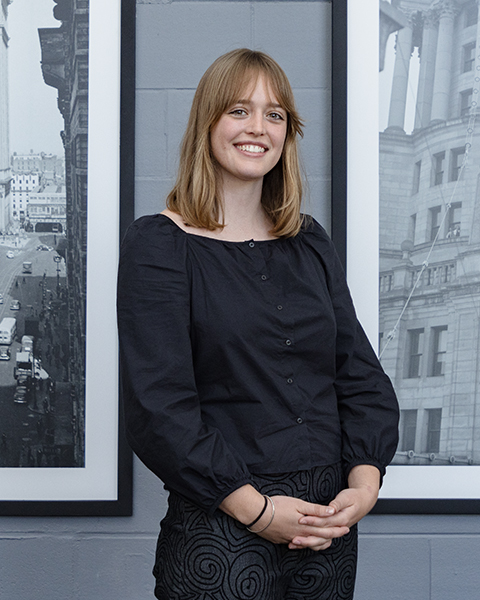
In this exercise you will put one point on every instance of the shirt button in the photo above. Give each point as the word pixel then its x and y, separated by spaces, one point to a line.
pixel 279 307
pixel 288 342
pixel 289 380
pixel 299 420
pixel 264 277
pixel 251 244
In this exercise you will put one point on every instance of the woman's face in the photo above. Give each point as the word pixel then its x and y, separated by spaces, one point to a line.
pixel 248 140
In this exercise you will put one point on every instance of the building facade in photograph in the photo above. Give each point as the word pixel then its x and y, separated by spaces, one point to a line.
pixel 43 175
pixel 47 209
pixel 23 185
pixel 430 235
pixel 5 174
pixel 50 166
pixel 65 67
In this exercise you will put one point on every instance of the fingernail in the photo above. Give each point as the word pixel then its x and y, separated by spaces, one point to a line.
pixel 330 510
pixel 302 521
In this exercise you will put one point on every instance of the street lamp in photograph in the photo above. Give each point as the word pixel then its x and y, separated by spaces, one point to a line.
pixel 58 259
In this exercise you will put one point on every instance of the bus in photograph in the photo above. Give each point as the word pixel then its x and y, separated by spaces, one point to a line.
pixel 8 329
pixel 27 266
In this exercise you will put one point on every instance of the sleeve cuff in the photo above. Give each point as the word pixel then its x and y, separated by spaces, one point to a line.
pixel 365 461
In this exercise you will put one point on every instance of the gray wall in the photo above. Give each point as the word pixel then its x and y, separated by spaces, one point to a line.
pixel 401 557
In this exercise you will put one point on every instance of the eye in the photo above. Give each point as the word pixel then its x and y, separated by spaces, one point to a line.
pixel 238 111
pixel 276 116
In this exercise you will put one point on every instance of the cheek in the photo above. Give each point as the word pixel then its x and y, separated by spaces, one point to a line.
pixel 281 143
pixel 215 145
pixel 280 137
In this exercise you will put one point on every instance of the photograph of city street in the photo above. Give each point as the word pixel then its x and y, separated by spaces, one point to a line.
pixel 43 218
pixel 429 155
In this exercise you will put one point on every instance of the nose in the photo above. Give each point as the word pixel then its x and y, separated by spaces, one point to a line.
pixel 256 124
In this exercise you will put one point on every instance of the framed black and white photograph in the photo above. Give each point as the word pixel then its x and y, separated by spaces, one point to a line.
pixel 61 447
pixel 413 236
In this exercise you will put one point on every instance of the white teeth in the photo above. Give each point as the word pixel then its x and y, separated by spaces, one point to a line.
pixel 251 148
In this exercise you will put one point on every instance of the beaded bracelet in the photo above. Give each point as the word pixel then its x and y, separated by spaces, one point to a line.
pixel 259 516
pixel 271 518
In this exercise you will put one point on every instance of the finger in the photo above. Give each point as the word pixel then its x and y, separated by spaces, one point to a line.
pixel 309 542
pixel 339 520
pixel 326 533
pixel 317 510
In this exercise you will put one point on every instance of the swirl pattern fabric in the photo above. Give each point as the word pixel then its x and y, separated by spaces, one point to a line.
pixel 203 558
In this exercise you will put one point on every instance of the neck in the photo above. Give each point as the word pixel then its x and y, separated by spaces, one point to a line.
pixel 244 216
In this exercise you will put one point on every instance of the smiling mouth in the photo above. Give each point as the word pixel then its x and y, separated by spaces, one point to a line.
pixel 251 148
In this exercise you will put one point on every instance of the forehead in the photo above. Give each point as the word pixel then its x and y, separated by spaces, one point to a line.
pixel 254 81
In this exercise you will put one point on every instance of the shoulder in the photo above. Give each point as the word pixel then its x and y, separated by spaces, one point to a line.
pixel 313 234
pixel 152 231
pixel 153 242
pixel 310 226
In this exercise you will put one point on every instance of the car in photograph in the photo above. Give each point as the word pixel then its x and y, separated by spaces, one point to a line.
pixel 27 343
pixel 20 395
pixel 10 254
pixel 4 353
pixel 15 305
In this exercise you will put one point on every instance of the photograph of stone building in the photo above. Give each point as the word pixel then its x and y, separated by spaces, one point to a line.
pixel 430 227
pixel 43 224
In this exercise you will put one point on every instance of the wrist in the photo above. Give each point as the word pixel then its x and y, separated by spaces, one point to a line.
pixel 244 504
pixel 260 526
pixel 365 477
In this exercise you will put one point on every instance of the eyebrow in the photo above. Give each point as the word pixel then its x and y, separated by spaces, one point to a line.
pixel 248 101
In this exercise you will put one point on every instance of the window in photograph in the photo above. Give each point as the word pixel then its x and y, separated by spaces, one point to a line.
pixel 438 351
pixel 434 421
pixel 386 282
pixel 434 215
pixel 412 228
pixel 433 275
pixel 438 168
pixel 408 427
pixel 468 57
pixel 465 102
pixel 456 160
pixel 414 353
pixel 416 176
pixel 448 273
pixel 454 220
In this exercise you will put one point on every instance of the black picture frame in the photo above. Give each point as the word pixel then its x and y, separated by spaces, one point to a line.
pixel 119 503
pixel 414 505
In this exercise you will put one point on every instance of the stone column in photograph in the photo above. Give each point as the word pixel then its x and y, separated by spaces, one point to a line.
pixel 447 10
pixel 5 174
pixel 391 20
pixel 428 52
pixel 398 99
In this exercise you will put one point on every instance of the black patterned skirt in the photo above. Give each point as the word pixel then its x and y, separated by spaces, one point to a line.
pixel 216 558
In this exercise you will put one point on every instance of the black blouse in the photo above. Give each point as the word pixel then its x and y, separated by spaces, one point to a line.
pixel 244 357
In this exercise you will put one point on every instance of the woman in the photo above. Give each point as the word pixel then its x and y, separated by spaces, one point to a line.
pixel 249 387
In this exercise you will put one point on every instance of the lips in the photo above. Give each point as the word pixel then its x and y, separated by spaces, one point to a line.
pixel 253 148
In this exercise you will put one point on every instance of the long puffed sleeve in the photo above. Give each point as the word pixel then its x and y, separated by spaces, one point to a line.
pixel 164 423
pixel 367 403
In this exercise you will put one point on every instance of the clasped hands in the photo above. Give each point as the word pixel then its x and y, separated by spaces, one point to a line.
pixel 301 524
pixel 317 525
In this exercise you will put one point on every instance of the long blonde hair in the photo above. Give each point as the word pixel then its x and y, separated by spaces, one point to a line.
pixel 195 195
